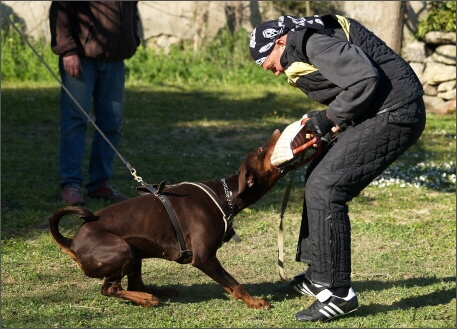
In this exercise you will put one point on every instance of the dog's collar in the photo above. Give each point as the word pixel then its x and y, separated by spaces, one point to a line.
pixel 229 232
pixel 228 196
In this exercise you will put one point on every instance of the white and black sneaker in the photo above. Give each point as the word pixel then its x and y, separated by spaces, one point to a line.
pixel 331 308
pixel 301 285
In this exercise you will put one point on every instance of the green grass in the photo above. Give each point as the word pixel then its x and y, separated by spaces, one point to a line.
pixel 403 225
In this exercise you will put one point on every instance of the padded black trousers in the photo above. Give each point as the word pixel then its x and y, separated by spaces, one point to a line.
pixel 359 155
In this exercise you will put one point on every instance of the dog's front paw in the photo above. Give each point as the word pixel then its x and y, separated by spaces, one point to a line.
pixel 258 303
pixel 140 298
pixel 149 301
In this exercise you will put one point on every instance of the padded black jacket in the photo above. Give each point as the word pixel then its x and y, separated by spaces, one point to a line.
pixel 350 69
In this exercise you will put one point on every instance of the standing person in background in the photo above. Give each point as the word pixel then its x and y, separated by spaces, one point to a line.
pixel 374 100
pixel 92 39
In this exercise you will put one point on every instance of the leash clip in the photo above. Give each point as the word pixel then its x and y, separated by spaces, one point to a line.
pixel 136 177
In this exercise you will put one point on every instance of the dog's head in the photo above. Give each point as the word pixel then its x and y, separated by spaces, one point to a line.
pixel 256 174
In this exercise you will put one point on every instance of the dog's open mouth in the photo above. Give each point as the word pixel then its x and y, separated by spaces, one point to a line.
pixel 294 140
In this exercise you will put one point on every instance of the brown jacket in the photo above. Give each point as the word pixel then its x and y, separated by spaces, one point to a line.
pixel 95 29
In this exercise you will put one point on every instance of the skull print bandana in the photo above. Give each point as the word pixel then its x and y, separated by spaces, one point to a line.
pixel 264 36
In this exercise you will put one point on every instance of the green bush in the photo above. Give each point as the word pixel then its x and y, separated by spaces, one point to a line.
pixel 19 63
pixel 225 59
pixel 440 17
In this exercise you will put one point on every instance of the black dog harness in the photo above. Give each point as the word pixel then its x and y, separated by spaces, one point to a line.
pixel 228 216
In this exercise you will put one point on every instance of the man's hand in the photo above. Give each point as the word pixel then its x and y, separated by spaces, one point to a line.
pixel 319 123
pixel 72 65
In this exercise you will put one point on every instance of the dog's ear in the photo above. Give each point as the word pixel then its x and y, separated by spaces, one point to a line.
pixel 245 179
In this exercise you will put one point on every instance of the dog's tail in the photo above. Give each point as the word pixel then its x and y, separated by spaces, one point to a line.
pixel 63 242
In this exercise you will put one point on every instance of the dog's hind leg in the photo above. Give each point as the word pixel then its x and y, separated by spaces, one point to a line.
pixel 135 283
pixel 113 288
pixel 105 255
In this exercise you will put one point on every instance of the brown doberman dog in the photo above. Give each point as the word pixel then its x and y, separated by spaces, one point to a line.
pixel 186 223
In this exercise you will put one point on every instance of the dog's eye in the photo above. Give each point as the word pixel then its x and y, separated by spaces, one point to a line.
pixel 259 150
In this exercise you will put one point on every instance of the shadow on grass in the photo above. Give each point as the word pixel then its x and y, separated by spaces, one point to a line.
pixel 435 298
pixel 202 292
pixel 89 304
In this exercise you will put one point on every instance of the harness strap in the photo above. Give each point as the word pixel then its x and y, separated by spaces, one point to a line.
pixel 174 220
pixel 157 189
pixel 228 218
pixel 213 196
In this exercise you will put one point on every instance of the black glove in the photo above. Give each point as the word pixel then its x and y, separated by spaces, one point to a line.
pixel 319 123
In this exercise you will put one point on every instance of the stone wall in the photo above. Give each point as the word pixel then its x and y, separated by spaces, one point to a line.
pixel 164 23
pixel 434 62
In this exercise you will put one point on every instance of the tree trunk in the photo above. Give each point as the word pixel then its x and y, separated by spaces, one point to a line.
pixel 234 15
pixel 392 26
pixel 201 14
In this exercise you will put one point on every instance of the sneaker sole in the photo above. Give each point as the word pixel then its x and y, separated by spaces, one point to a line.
pixel 327 319
pixel 337 316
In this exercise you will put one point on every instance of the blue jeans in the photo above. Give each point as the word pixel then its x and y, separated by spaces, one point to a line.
pixel 103 82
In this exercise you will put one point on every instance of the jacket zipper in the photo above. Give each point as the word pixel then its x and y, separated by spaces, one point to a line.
pixel 89 35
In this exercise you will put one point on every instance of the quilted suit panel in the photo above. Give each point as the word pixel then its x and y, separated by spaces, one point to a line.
pixel 360 154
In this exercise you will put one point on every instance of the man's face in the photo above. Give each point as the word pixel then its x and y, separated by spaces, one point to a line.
pixel 272 63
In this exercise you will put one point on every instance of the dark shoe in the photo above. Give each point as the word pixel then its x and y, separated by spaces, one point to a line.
pixel 329 309
pixel 108 192
pixel 73 195
pixel 301 285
